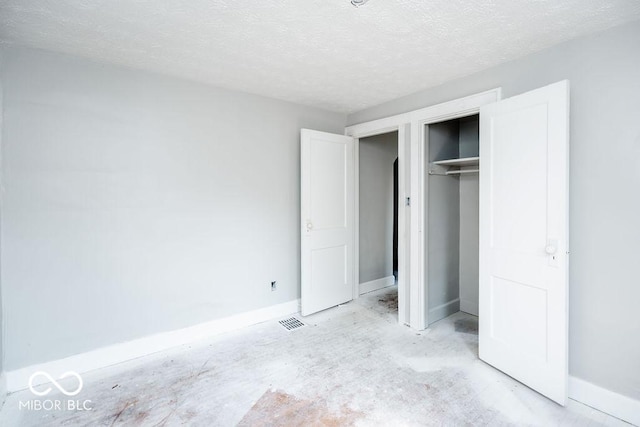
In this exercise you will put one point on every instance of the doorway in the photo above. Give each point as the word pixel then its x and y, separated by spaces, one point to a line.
pixel 452 215
pixel 378 214
pixel 522 198
pixel 398 139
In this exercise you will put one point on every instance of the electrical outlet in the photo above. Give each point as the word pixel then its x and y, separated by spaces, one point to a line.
pixel 273 286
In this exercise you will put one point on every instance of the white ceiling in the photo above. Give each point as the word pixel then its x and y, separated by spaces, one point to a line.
pixel 324 53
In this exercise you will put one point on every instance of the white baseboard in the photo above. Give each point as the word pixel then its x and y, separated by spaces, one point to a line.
pixel 444 310
pixel 468 306
pixel 374 285
pixel 604 400
pixel 106 356
pixel 607 401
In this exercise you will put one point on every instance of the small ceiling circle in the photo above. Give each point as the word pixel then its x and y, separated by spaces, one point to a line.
pixel 358 3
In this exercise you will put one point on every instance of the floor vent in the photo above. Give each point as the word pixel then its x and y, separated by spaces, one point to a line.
pixel 291 323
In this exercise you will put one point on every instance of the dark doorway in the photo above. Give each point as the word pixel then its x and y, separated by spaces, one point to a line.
pixel 395 219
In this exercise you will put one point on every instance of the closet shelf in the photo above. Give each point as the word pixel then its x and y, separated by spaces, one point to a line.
pixel 460 166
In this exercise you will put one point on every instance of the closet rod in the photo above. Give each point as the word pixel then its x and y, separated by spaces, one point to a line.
pixel 462 172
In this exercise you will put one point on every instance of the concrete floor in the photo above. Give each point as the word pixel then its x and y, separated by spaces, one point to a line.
pixel 352 365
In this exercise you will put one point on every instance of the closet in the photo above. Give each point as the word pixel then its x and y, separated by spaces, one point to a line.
pixel 512 267
pixel 451 220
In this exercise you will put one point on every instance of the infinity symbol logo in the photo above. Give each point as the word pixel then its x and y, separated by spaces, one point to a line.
pixel 55 383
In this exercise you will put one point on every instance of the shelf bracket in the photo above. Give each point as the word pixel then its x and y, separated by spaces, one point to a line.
pixel 437 170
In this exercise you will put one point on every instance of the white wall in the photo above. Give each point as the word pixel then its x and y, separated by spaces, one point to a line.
pixel 136 203
pixel 605 178
pixel 377 154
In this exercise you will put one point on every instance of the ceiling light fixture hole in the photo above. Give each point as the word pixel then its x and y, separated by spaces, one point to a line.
pixel 358 3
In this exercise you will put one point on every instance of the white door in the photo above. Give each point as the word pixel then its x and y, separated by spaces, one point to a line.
pixel 327 209
pixel 524 147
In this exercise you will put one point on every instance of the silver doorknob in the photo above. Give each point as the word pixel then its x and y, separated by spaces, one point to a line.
pixel 309 226
pixel 550 249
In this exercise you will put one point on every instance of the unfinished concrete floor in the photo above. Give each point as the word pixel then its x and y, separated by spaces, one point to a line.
pixel 352 365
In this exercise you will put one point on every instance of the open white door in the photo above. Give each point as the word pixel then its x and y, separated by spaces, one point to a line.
pixel 327 209
pixel 524 169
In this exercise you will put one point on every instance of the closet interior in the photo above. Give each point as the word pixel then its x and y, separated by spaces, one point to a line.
pixel 452 195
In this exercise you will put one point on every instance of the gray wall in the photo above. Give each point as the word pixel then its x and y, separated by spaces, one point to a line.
pixel 136 203
pixel 443 225
pixel 469 219
pixel 2 335
pixel 469 242
pixel 605 178
pixel 377 154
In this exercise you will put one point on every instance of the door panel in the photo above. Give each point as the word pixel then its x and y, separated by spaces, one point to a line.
pixel 512 197
pixel 328 273
pixel 524 329
pixel 327 220
pixel 328 174
pixel 524 142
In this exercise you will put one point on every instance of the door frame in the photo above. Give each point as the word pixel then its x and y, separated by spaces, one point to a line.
pixel 420 119
pixel 378 127
pixel 412 286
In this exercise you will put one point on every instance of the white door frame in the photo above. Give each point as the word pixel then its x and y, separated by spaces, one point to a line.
pixel 390 124
pixel 462 107
pixel 412 286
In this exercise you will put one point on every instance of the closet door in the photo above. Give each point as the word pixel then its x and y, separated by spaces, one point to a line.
pixel 524 146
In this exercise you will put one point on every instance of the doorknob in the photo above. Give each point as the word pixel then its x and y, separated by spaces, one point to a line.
pixel 552 249
pixel 309 226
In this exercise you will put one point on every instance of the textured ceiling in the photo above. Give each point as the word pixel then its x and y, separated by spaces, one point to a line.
pixel 324 53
